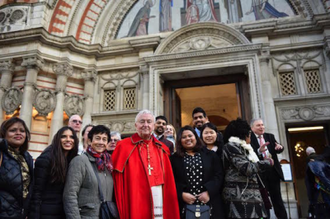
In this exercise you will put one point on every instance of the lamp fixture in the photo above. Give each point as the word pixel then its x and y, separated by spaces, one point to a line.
pixel 300 129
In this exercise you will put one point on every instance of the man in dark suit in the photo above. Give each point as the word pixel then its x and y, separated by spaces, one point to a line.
pixel 159 130
pixel 265 145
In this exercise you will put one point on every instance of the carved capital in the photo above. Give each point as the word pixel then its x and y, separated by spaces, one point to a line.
pixel 32 62
pixel 89 75
pixel 7 65
pixel 63 69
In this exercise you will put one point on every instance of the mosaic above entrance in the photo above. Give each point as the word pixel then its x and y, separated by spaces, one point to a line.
pixel 154 16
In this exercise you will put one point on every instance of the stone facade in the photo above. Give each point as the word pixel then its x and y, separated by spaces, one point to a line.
pixel 59 58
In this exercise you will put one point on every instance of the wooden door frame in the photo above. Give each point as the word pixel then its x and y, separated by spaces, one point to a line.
pixel 241 81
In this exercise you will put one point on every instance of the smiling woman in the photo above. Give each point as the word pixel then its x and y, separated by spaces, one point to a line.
pixel 50 175
pixel 198 174
pixel 16 169
pixel 87 175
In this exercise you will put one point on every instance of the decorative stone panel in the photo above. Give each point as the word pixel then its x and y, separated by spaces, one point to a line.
pixel 44 101
pixel 11 100
pixel 13 17
pixel 306 113
pixel 74 105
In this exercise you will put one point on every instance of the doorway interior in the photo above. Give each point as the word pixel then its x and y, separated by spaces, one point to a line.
pixel 300 136
pixel 223 98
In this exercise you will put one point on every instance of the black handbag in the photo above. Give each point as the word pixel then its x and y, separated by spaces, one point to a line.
pixel 198 211
pixel 108 209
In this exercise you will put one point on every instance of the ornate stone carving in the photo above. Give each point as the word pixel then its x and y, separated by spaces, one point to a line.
pixel 11 100
pixel 74 105
pixel 63 69
pixel 306 113
pixel 89 75
pixel 201 43
pixel 32 61
pixel 122 126
pixel 201 36
pixel 44 101
pixel 120 74
pixel 7 65
pixel 13 16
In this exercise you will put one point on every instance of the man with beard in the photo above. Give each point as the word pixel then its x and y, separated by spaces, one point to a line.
pixel 159 131
pixel 143 178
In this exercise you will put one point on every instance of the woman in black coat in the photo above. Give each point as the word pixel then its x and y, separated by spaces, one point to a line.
pixel 50 174
pixel 197 173
pixel 16 169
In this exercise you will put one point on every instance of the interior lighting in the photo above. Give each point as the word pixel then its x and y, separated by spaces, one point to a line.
pixel 299 129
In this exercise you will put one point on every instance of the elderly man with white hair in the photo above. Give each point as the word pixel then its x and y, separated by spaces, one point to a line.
pixel 143 177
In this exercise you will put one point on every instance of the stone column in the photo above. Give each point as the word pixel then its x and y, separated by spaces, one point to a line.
pixel 6 70
pixel 266 90
pixel 89 77
pixel 33 65
pixel 63 71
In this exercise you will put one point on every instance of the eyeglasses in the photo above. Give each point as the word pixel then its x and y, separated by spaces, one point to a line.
pixel 114 140
pixel 77 121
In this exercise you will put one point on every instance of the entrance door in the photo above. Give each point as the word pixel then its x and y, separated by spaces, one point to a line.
pixel 224 98
pixel 300 136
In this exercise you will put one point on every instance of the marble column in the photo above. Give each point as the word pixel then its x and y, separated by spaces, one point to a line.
pixel 266 90
pixel 89 77
pixel 6 70
pixel 33 64
pixel 63 71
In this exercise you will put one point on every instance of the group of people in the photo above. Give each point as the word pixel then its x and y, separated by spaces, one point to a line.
pixel 155 173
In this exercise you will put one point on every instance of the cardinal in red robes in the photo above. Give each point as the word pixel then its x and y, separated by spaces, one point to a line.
pixel 143 179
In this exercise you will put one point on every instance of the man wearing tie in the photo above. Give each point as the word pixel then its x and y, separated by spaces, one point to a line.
pixel 265 145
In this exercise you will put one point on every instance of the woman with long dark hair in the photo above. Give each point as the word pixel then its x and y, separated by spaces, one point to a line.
pixel 197 173
pixel 50 175
pixel 16 169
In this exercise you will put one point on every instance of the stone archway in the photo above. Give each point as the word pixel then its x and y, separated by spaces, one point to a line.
pixel 201 36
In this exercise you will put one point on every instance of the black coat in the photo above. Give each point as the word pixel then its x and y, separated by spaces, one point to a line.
pixel 46 202
pixel 212 180
pixel 12 203
pixel 271 148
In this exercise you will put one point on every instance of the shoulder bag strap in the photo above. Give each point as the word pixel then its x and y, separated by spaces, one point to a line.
pixel 99 183
pixel 261 181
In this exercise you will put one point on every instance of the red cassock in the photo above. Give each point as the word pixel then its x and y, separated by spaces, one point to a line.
pixel 131 184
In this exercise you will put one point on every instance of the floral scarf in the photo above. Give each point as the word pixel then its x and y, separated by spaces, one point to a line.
pixel 24 170
pixel 252 155
pixel 102 160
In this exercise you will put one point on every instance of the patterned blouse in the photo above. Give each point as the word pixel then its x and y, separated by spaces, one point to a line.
pixel 194 170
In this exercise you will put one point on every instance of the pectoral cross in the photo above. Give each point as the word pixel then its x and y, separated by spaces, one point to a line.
pixel 150 168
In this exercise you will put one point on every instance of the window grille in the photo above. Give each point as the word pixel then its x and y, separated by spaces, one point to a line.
pixel 287 82
pixel 313 81
pixel 109 100
pixel 129 98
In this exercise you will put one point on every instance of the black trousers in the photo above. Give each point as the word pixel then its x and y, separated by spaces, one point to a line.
pixel 273 184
